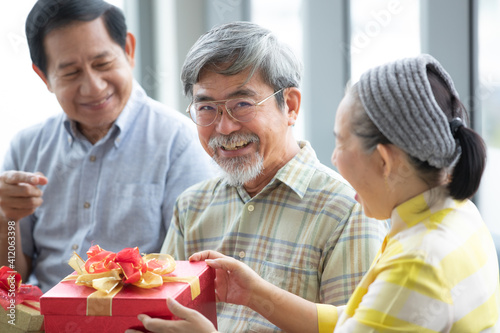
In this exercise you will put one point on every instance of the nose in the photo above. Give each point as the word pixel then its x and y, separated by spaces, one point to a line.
pixel 225 124
pixel 92 84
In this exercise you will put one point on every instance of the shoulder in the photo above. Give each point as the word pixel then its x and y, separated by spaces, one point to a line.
pixel 206 188
pixel 201 195
pixel 167 115
pixel 447 236
pixel 27 144
pixel 324 173
pixel 331 186
pixel 165 124
pixel 306 170
pixel 338 201
pixel 41 131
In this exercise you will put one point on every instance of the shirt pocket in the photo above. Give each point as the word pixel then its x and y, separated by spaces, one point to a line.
pixel 301 281
pixel 134 206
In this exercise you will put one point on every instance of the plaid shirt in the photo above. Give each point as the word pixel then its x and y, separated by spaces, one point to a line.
pixel 437 272
pixel 303 232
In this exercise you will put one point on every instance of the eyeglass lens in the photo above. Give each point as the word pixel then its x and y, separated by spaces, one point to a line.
pixel 241 109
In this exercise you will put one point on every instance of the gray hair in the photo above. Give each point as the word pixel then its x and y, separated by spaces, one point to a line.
pixel 232 48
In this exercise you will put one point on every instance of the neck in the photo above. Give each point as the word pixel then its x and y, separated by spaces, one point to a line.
pixel 93 134
pixel 255 186
pixel 411 188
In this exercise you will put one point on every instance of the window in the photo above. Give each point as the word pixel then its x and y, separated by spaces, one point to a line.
pixel 383 31
pixel 487 96
pixel 26 101
pixel 283 18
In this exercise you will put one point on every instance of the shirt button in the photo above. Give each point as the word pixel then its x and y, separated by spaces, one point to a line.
pixel 251 208
pixel 86 205
pixel 242 254
pixel 92 158
pixel 75 247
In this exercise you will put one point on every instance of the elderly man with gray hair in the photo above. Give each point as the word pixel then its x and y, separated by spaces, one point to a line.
pixel 275 207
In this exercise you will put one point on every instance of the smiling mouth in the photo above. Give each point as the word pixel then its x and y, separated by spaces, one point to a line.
pixel 232 142
pixel 236 145
pixel 98 103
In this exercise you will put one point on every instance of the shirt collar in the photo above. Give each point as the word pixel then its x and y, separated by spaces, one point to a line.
pixel 298 172
pixel 421 208
pixel 126 119
pixel 122 124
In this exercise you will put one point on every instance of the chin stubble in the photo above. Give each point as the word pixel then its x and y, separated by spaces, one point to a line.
pixel 237 171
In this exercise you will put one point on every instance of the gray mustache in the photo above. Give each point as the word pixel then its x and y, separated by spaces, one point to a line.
pixel 224 140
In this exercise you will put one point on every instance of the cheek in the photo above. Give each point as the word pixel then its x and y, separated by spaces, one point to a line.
pixel 64 96
pixel 66 88
pixel 204 134
pixel 344 163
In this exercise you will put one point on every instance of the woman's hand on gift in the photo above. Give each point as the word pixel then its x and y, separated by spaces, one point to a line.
pixel 235 282
pixel 192 321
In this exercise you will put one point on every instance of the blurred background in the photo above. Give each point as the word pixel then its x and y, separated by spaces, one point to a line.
pixel 336 39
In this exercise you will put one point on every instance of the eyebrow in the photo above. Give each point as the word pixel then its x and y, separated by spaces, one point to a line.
pixel 337 136
pixel 64 65
pixel 234 94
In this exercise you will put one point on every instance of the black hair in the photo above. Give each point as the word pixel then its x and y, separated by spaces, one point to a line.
pixel 467 172
pixel 47 15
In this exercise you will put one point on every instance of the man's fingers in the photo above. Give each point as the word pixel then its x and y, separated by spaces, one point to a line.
pixel 18 177
pixel 19 194
pixel 203 255
pixel 22 190
pixel 42 180
pixel 22 203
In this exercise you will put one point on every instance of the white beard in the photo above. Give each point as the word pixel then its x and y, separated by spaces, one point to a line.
pixel 238 170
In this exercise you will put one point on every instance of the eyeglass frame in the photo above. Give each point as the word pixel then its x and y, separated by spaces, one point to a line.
pixel 228 110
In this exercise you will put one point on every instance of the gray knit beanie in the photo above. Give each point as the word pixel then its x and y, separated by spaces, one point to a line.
pixel 398 99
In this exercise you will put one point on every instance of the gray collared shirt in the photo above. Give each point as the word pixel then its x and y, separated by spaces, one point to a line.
pixel 117 193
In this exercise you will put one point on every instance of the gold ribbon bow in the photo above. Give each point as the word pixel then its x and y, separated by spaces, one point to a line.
pixel 107 272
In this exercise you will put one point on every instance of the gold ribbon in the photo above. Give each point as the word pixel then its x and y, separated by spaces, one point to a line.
pixel 194 283
pixel 110 283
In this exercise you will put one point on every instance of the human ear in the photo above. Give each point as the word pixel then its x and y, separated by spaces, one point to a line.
pixel 130 48
pixel 386 158
pixel 292 99
pixel 40 73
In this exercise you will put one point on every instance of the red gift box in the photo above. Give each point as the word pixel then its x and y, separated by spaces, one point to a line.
pixel 19 304
pixel 65 306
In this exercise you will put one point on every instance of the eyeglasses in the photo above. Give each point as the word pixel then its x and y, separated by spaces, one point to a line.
pixel 240 109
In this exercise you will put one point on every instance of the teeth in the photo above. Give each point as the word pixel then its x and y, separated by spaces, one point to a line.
pixel 100 102
pixel 235 145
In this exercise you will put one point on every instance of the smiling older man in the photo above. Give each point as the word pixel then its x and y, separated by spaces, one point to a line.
pixel 275 206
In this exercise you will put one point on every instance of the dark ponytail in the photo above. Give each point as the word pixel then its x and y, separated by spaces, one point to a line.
pixel 469 169
pixel 467 172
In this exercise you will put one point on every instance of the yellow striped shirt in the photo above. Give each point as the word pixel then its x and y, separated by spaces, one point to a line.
pixel 437 271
